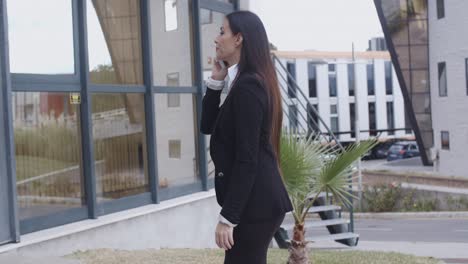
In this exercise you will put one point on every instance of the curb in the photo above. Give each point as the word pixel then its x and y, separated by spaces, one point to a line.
pixel 410 215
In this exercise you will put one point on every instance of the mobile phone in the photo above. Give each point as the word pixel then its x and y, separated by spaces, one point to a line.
pixel 222 64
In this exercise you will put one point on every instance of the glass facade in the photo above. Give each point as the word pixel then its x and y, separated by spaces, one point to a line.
pixel 52 35
pixel 352 118
pixel 119 140
pixel 48 153
pixel 405 27
pixel 114 40
pixel 95 142
pixel 172 37
pixel 176 144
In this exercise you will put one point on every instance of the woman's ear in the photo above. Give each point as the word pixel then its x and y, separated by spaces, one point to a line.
pixel 239 39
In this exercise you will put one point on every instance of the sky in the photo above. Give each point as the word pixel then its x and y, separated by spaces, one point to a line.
pixel 325 25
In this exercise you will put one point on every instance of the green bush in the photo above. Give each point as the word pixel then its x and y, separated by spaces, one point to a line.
pixel 381 198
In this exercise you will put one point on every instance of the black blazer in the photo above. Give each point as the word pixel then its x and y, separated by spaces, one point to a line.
pixel 248 184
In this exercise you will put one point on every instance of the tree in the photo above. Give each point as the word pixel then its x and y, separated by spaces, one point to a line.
pixel 310 168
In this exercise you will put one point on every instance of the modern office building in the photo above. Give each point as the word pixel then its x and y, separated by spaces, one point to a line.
pixel 100 103
pixel 338 88
pixel 430 54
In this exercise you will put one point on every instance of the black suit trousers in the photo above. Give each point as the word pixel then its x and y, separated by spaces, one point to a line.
pixel 251 242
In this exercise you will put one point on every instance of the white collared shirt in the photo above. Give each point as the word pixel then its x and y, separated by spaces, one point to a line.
pixel 227 82
pixel 232 73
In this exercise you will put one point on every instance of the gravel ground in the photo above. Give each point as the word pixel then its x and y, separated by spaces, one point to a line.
pixel 211 256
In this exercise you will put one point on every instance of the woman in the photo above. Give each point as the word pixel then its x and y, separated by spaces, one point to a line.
pixel 245 135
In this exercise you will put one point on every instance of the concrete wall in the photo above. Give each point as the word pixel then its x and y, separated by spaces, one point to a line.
pixel 185 222
pixel 449 113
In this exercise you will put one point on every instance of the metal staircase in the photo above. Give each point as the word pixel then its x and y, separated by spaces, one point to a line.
pixel 339 229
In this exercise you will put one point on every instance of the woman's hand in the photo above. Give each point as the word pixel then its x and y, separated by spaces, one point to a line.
pixel 224 236
pixel 218 73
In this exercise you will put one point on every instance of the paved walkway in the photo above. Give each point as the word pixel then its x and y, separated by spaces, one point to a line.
pixel 15 259
pixel 450 253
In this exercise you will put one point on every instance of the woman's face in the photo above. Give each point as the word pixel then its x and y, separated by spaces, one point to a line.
pixel 228 45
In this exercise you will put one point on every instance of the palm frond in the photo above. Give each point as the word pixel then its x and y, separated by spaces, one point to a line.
pixel 335 174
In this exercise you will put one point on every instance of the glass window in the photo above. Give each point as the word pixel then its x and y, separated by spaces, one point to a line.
pixel 333 109
pixel 352 118
pixel 173 100
pixel 206 16
pixel 174 149
pixel 332 85
pixel 172 49
pixel 312 117
pixel 420 81
pixel 209 31
pixel 331 68
pixel 390 118
pixel 291 66
pixel 372 120
pixel 442 73
pixel 334 125
pixel 370 79
pixel 41 32
pixel 388 78
pixel 48 153
pixel 351 79
pixel 170 13
pixel 312 72
pixel 408 124
pixel 293 122
pixel 445 139
pixel 177 160
pixel 119 145
pixel 440 9
pixel 173 79
pixel 114 42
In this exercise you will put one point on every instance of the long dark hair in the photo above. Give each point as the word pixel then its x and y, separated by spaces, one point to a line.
pixel 255 58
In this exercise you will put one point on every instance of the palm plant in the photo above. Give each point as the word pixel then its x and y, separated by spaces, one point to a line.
pixel 310 168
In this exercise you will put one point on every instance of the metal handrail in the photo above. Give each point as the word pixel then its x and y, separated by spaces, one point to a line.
pixel 292 81
pixel 308 103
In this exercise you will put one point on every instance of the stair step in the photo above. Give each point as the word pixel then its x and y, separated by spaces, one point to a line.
pixel 324 208
pixel 319 223
pixel 333 237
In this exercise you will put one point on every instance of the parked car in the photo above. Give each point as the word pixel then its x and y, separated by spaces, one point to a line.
pixel 403 150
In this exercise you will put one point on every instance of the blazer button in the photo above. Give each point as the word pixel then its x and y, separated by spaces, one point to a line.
pixel 220 174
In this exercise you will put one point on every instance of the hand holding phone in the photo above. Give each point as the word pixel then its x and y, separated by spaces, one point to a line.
pixel 219 71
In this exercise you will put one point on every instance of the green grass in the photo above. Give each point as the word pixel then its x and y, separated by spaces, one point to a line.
pixel 30 166
pixel 212 256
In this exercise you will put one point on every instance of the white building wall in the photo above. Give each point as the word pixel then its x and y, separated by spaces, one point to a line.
pixel 449 43
pixel 343 99
pixel 380 96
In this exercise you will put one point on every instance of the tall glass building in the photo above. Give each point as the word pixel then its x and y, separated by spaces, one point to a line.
pixel 100 104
